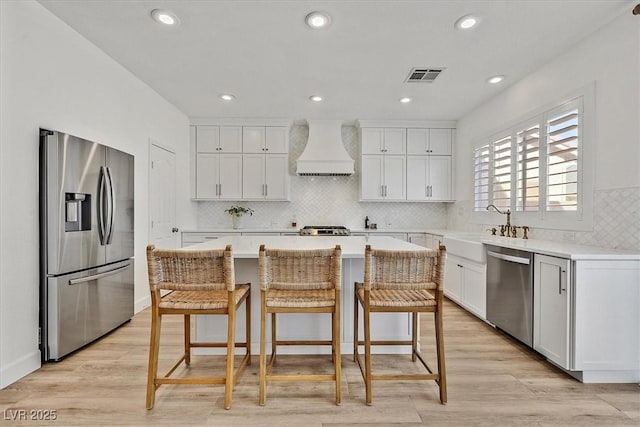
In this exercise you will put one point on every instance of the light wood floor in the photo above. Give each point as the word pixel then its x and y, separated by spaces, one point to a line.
pixel 492 381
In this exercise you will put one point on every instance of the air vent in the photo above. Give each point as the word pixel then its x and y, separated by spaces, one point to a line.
pixel 425 75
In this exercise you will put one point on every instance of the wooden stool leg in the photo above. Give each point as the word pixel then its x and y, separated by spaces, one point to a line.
pixel 231 341
pixel 263 348
pixel 367 352
pixel 442 376
pixel 355 322
pixel 414 336
pixel 274 340
pixel 337 351
pixel 247 323
pixel 154 348
pixel 187 339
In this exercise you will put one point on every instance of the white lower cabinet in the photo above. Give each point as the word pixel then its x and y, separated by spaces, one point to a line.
pixel 551 320
pixel 192 237
pixel 465 283
pixel 586 317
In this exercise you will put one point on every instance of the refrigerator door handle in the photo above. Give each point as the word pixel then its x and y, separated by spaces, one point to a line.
pixel 100 206
pixel 99 275
pixel 112 206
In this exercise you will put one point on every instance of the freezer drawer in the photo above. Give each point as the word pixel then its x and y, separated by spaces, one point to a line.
pixel 83 306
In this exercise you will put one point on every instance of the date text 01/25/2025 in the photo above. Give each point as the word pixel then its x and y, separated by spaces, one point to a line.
pixel 30 415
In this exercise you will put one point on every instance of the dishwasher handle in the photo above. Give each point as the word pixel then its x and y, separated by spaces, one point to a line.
pixel 510 258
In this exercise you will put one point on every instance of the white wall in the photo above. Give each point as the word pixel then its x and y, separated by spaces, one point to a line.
pixel 611 58
pixel 52 77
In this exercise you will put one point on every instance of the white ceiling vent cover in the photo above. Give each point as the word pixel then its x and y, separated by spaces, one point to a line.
pixel 324 154
pixel 424 74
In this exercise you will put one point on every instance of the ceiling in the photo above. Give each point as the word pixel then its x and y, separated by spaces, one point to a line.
pixel 264 54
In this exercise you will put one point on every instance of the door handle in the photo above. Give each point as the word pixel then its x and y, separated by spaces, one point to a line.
pixel 100 205
pixel 99 275
pixel 112 206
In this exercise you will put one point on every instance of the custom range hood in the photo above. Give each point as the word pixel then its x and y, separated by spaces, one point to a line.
pixel 324 154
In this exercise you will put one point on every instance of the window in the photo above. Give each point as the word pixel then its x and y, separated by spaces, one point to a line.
pixel 528 159
pixel 481 177
pixel 535 167
pixel 562 161
pixel 501 176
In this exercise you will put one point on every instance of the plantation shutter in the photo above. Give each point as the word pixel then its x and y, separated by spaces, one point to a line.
pixel 501 168
pixel 563 140
pixel 481 160
pixel 528 173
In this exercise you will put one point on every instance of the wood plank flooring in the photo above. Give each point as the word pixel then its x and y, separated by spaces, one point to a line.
pixel 492 380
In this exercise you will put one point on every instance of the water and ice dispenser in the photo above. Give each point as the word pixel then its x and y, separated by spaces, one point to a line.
pixel 77 214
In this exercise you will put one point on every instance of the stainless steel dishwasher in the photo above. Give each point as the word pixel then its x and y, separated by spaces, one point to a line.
pixel 510 291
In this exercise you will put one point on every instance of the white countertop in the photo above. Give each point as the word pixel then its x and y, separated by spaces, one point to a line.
pixel 352 246
pixel 546 247
pixel 352 249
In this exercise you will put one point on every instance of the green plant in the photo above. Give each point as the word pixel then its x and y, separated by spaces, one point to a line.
pixel 239 211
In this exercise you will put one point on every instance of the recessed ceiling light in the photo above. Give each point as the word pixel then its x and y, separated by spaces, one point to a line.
pixel 164 17
pixel 467 22
pixel 227 97
pixel 317 20
pixel 495 79
pixel 315 98
pixel 405 100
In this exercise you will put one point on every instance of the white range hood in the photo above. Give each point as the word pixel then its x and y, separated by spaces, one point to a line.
pixel 324 154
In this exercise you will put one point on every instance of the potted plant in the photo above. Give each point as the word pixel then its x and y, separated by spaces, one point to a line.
pixel 237 212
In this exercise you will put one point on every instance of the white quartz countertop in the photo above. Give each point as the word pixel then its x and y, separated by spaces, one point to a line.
pixel 352 246
pixel 546 247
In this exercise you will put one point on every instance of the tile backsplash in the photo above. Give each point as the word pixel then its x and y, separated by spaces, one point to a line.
pixel 325 200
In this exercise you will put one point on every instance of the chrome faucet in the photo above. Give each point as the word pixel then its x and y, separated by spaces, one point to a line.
pixel 508 214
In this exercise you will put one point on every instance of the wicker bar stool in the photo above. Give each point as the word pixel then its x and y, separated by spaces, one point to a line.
pixel 401 281
pixel 200 282
pixel 299 281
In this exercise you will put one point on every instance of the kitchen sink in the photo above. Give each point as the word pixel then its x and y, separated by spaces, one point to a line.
pixel 466 246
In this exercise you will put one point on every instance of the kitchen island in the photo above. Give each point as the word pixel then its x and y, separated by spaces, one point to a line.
pixel 385 326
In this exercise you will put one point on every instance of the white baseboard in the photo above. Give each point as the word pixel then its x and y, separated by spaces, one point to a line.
pixel 141 304
pixel 19 368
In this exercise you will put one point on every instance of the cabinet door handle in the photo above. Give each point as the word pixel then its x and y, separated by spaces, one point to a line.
pixel 266 190
pixel 560 287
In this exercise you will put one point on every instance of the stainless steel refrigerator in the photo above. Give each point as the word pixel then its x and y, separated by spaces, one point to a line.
pixel 86 242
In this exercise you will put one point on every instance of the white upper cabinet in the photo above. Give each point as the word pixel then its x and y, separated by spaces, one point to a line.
pixel 237 162
pixel 219 139
pixel 253 139
pixel 218 176
pixel 429 178
pixel 265 177
pixel 429 142
pixel 425 173
pixel 277 140
pixel 207 139
pixel 231 139
pixel 383 140
pixel 383 178
pixel 269 139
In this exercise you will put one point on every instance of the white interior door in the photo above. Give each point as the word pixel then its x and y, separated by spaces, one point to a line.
pixel 162 197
